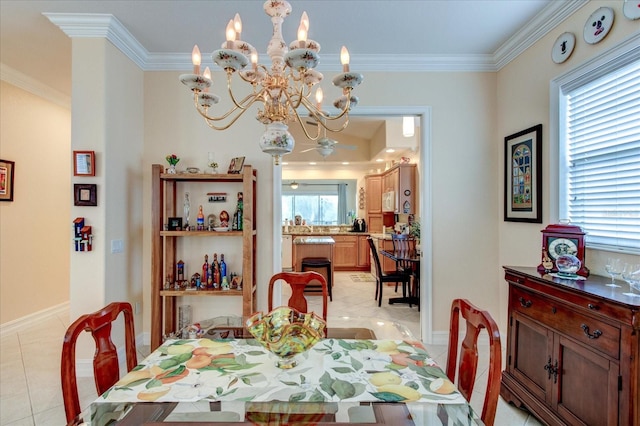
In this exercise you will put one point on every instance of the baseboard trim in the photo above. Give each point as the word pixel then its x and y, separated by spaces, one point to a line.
pixel 33 319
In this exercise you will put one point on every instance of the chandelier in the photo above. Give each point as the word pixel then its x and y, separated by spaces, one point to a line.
pixel 280 90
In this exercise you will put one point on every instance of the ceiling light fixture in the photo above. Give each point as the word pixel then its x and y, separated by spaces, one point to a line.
pixel 294 185
pixel 281 89
pixel 408 127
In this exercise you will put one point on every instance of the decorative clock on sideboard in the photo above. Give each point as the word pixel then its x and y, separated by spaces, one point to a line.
pixel 560 239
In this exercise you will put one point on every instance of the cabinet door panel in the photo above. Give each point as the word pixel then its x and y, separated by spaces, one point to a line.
pixel 587 388
pixel 531 348
pixel 364 252
pixel 345 252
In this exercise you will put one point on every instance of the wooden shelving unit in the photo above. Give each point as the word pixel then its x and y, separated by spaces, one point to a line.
pixel 164 245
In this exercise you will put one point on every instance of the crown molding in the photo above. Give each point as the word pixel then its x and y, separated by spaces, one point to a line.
pixel 33 86
pixel 109 27
pixel 544 22
pixel 94 25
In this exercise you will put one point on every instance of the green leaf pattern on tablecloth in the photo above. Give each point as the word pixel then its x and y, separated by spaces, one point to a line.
pixel 333 370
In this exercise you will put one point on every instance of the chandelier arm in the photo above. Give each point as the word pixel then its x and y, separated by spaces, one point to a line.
pixel 304 128
pixel 249 97
pixel 322 118
pixel 203 112
pixel 241 112
pixel 299 94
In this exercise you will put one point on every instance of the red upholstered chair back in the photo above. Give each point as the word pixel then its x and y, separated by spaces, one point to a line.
pixel 298 281
pixel 476 320
pixel 106 370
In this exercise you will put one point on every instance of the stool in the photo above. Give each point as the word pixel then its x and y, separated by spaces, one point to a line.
pixel 314 263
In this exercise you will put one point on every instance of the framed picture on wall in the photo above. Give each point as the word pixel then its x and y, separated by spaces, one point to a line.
pixel 523 176
pixel 84 163
pixel 6 180
pixel 85 194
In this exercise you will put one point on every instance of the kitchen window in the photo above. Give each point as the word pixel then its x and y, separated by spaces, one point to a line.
pixel 314 209
pixel 599 151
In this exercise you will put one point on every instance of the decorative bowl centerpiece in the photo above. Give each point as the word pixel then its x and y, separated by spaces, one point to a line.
pixel 286 333
pixel 568 265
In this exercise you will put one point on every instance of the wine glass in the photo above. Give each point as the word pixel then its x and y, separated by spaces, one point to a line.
pixel 631 274
pixel 613 268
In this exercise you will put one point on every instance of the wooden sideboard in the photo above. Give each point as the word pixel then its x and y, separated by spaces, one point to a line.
pixel 573 349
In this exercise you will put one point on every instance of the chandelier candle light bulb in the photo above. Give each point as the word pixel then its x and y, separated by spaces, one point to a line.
pixel 231 34
pixel 344 59
pixel 196 58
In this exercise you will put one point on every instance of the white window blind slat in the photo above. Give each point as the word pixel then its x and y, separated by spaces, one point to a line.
pixel 602 140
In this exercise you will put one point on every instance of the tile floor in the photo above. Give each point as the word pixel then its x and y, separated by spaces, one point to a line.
pixel 30 361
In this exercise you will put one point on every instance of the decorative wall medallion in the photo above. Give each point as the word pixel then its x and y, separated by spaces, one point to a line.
pixel 563 47
pixel 598 25
pixel 631 9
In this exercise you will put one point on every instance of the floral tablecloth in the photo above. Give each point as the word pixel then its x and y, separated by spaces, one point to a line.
pixel 242 370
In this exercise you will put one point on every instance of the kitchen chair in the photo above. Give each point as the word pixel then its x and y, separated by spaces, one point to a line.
pixel 382 278
pixel 298 281
pixel 476 319
pixel 405 245
pixel 106 370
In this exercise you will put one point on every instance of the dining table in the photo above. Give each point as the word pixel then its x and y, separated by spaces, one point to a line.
pixel 411 258
pixel 384 376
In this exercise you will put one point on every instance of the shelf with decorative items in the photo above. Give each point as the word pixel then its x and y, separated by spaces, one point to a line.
pixel 178 235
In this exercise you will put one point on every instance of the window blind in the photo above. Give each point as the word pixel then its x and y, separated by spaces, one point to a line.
pixel 602 181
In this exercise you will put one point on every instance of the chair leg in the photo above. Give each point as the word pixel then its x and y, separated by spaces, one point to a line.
pixel 380 285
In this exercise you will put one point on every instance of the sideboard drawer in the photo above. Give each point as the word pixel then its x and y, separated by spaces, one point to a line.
pixel 586 329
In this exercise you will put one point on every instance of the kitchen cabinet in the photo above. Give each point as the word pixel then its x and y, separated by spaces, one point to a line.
pixel 170 246
pixel 401 179
pixel 572 350
pixel 373 192
pixel 391 180
pixel 373 196
pixel 345 252
pixel 364 253
pixel 350 252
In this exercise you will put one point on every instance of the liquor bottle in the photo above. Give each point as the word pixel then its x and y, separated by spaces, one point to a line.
pixel 239 208
pixel 205 270
pixel 200 219
pixel 223 267
pixel 216 271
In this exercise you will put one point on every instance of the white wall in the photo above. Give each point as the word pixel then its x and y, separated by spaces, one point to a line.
pixel 107 117
pixel 36 233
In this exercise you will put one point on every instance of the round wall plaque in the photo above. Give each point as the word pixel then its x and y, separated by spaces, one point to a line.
pixel 563 47
pixel 631 9
pixel 598 25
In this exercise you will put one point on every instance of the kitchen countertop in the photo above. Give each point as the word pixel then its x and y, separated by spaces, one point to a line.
pixel 313 240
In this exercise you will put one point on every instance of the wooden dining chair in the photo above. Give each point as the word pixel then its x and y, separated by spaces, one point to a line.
pixel 298 281
pixel 382 278
pixel 106 370
pixel 476 320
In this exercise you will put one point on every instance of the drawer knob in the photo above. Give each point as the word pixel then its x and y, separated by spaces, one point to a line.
pixel 597 333
pixel 525 303
pixel 593 307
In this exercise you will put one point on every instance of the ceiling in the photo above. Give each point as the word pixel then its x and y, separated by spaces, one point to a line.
pixel 380 35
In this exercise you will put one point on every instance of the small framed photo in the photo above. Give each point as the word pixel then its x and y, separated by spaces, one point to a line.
pixel 84 163
pixel 6 180
pixel 85 194
pixel 235 167
pixel 174 224
pixel 523 176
